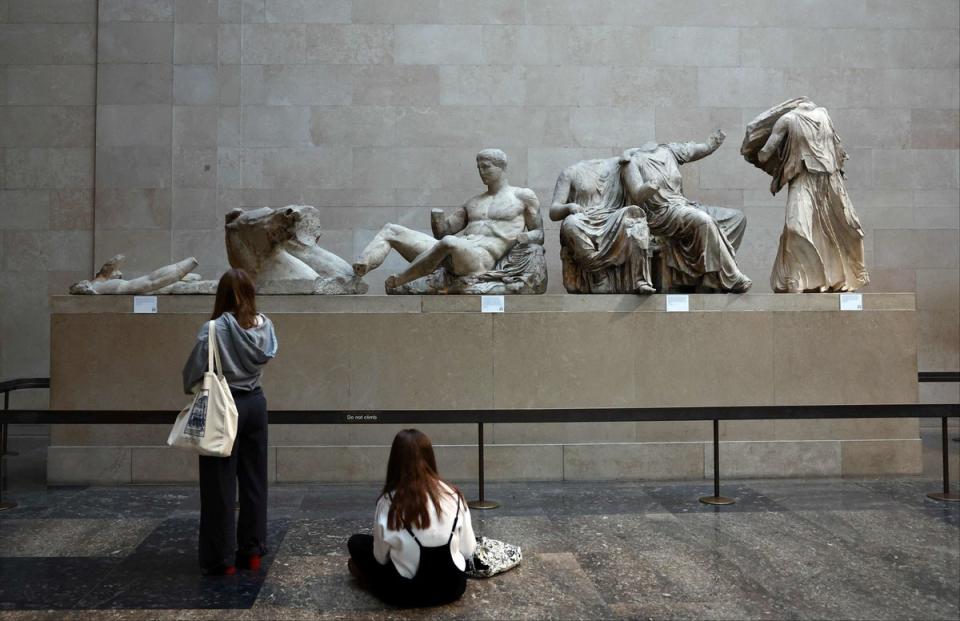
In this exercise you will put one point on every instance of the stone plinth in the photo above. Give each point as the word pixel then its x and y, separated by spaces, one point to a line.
pixel 436 352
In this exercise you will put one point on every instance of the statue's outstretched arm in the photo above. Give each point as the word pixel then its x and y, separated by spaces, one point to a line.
pixel 694 151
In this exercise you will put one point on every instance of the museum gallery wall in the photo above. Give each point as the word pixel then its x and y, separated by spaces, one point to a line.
pixel 138 131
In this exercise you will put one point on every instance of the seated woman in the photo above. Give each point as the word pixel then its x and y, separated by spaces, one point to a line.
pixel 422 534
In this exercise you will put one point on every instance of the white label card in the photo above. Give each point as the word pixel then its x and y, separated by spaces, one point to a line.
pixel 678 303
pixel 144 303
pixel 491 304
pixel 851 301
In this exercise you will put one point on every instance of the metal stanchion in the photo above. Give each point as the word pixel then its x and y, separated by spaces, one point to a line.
pixel 3 448
pixel 481 503
pixel 716 499
pixel 946 494
pixel 4 504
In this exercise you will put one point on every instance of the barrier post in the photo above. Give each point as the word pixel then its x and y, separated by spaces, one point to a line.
pixel 716 499
pixel 481 503
pixel 4 504
pixel 946 495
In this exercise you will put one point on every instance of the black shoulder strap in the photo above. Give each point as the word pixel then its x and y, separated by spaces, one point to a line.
pixel 454 529
pixel 414 537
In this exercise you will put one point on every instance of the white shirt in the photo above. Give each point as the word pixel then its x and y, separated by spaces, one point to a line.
pixel 402 549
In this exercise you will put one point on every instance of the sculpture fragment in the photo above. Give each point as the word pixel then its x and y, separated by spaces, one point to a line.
pixel 109 279
pixel 821 246
pixel 278 248
pixel 604 242
pixel 492 245
pixel 699 242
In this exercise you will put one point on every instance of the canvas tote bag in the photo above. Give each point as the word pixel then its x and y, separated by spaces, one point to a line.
pixel 209 424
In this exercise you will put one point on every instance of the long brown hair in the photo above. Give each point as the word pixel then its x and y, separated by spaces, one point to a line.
pixel 236 294
pixel 412 480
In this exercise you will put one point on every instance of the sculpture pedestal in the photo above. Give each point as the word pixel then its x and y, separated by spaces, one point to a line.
pixel 441 352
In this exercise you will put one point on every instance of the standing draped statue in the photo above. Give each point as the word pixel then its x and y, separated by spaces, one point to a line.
pixel 821 247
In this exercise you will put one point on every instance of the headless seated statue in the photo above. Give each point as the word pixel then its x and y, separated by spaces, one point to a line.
pixel 611 228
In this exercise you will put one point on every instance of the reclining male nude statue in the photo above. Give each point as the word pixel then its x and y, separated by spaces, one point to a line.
pixel 605 235
pixel 491 245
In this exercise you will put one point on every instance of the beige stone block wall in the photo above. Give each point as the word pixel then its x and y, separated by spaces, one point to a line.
pixel 372 110
pixel 47 111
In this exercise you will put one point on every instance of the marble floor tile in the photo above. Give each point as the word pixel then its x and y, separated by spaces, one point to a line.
pixel 115 502
pixel 163 573
pixel 909 491
pixel 322 536
pixel 789 549
pixel 787 555
pixel 315 583
pixel 833 494
pixel 534 534
pixel 59 537
pixel 684 498
pixel 353 501
pixel 50 583
pixel 606 533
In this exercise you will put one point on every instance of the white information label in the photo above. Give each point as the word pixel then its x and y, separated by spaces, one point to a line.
pixel 678 303
pixel 144 303
pixel 491 303
pixel 851 301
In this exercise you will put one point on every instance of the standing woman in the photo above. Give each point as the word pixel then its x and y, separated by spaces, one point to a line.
pixel 246 341
pixel 422 533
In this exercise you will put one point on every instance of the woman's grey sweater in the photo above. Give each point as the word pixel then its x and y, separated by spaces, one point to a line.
pixel 243 352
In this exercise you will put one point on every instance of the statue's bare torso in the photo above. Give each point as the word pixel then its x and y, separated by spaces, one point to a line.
pixel 494 221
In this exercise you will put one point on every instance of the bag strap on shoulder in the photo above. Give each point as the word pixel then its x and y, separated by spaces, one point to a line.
pixel 213 352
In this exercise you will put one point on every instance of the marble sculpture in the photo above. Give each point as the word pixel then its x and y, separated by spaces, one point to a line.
pixel 278 248
pixel 821 246
pixel 699 242
pixel 109 279
pixel 493 244
pixel 604 242
pixel 611 207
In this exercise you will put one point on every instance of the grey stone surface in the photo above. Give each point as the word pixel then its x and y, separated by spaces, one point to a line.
pixel 136 10
pixel 134 42
pixel 45 85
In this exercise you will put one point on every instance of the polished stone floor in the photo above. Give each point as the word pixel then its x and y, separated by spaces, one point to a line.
pixel 789 549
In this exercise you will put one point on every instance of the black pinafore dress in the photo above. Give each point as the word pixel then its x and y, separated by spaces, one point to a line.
pixel 438 579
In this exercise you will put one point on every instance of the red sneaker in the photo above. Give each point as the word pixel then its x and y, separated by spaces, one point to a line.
pixel 251 562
